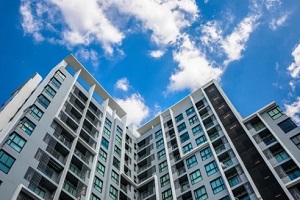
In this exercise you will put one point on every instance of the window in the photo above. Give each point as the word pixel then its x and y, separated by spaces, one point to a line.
pixel 200 193
pixel 43 101
pixel 191 162
pixel 36 112
pixel 287 125
pixel 104 143
pixel 211 168
pixel 98 184
pixel 94 197
pixel 102 155
pixel 55 83
pixel 115 177
pixel 37 190
pixel 217 185
pixel 118 151
pixel 187 148
pixel 184 137
pixel 16 142
pixel 205 153
pixel 106 132
pixel 119 130
pixel 195 176
pixel 296 140
pixel 118 140
pixel 100 168
pixel 116 163
pixel 6 161
pixel 26 125
pixel 225 198
pixel 200 140
pixel 162 166
pixel 193 120
pixel 164 180
pixel 190 111
pixel 233 181
pixel 161 154
pixel 197 129
pixel 49 90
pixel 158 134
pixel 178 118
pixel 275 113
pixel 108 122
pixel 113 193
pixel 281 156
pixel 159 143
pixel 181 127
pixel 60 76
pixel 167 195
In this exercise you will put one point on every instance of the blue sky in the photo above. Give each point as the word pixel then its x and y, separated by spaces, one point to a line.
pixel 150 54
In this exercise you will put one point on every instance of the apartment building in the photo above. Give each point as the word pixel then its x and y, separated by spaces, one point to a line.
pixel 67 139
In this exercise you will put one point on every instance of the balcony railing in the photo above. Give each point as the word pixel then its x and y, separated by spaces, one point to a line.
pixel 62 139
pixel 86 159
pixel 146 194
pixel 209 125
pixel 184 186
pixel 220 149
pixel 143 156
pixel 70 188
pixel 144 167
pixel 181 171
pixel 214 136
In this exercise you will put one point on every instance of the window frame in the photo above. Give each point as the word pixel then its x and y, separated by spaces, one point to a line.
pixel 49 91
pixel 98 184
pixel 13 144
pixel 6 161
pixel 55 82
pixel 275 113
pixel 36 112
pixel 43 101
pixel 191 161
pixel 26 125
pixel 287 125
pixel 211 168
pixel 100 168
pixel 219 184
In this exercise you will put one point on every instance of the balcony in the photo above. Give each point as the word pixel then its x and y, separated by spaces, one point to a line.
pixel 89 129
pixel 214 136
pixel 80 95
pixel 96 111
pixel 64 137
pixel 71 123
pixel 87 139
pixel 146 194
pixel 76 103
pixel 184 186
pixel 74 187
pixel 86 158
pixel 55 149
pixel 144 167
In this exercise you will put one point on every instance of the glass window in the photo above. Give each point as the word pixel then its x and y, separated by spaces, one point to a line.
pixel 104 143
pixel 233 181
pixel 49 90
pixel 6 161
pixel 159 143
pixel 119 130
pixel 161 154
pixel 118 151
pixel 16 142
pixel 275 113
pixel 26 125
pixel 296 140
pixel 39 191
pixel 200 140
pixel 94 197
pixel 60 76
pixel 118 140
pixel 193 120
pixel 35 112
pixel 43 101
pixel 164 180
pixel 178 118
pixel 287 125
pixel 100 168
pixel 195 176
pixel 205 153
pixel 102 155
pixel 113 193
pixel 106 132
pixel 167 195
pixel 191 161
pixel 200 193
pixel 98 184
pixel 190 111
pixel 158 134
pixel 108 122
pixel 217 185
pixel 197 129
pixel 162 166
pixel 181 127
pixel 187 148
pixel 280 156
pixel 211 168
pixel 116 163
pixel 184 137
pixel 114 177
pixel 55 83
pixel 226 198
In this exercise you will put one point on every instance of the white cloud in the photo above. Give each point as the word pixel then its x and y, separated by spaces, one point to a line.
pixel 275 23
pixel 294 68
pixel 88 55
pixel 272 4
pixel 156 53
pixel 135 108
pixel 293 110
pixel 122 84
pixel 194 69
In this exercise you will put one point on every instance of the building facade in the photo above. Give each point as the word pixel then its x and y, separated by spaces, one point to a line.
pixel 68 140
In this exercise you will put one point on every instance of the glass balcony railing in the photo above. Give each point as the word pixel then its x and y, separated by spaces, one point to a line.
pixel 70 188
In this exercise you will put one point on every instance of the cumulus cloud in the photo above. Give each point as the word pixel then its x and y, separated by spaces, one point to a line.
pixel 294 68
pixel 88 55
pixel 135 108
pixel 293 110
pixel 272 4
pixel 275 23
pixel 122 84
pixel 156 53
